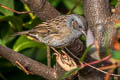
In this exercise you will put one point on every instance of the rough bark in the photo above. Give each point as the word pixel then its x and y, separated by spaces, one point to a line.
pixel 97 13
pixel 32 66
pixel 101 21
pixel 42 9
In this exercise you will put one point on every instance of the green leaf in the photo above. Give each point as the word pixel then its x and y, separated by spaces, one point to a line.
pixel 113 2
pixel 32 23
pixel 15 22
pixel 70 4
pixel 2 42
pixel 5 31
pixel 115 54
pixel 65 75
pixel 23 43
pixel 54 2
pixel 85 53
pixel 11 24
pixel 9 4
pixel 2 76
pixel 37 53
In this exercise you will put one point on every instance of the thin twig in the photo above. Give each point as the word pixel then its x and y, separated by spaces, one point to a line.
pixel 101 60
pixel 101 70
pixel 18 12
pixel 54 50
pixel 107 76
pixel 75 6
pixel 48 57
pixel 72 53
pixel 94 62
pixel 108 67
pixel 89 64
pixel 22 67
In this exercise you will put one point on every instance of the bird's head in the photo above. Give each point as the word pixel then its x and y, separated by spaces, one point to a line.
pixel 78 24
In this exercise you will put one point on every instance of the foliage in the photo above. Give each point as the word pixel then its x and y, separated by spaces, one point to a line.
pixel 10 23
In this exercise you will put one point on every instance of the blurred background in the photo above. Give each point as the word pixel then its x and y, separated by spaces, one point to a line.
pixel 10 23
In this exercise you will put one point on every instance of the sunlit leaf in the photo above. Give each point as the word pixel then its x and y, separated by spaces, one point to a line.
pixel 23 43
pixel 2 42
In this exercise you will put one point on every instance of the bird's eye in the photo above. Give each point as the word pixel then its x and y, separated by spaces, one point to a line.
pixel 75 25
pixel 80 26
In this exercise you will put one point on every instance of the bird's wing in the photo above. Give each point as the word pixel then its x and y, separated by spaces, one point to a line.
pixel 44 30
pixel 52 26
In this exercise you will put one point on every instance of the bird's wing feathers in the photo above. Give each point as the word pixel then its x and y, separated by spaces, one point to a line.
pixel 45 29
pixel 52 26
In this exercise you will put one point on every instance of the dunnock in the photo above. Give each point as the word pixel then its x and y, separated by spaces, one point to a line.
pixel 58 32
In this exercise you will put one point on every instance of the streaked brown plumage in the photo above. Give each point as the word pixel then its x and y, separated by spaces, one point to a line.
pixel 58 32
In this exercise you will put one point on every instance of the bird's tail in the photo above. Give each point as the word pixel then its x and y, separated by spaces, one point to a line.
pixel 20 33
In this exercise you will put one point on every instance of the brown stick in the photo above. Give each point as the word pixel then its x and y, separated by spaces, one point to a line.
pixel 22 67
pixel 48 57
pixel 18 12
pixel 42 9
pixel 29 64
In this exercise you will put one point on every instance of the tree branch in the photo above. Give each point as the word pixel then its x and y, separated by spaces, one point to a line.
pixel 42 9
pixel 30 65
pixel 96 13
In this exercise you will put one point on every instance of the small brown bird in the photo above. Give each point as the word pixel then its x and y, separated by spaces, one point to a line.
pixel 58 32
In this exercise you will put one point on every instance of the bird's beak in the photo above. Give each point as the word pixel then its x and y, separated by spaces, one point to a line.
pixel 84 33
